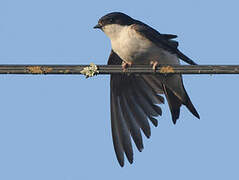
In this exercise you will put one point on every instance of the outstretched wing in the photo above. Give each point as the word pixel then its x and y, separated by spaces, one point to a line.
pixel 132 99
pixel 163 41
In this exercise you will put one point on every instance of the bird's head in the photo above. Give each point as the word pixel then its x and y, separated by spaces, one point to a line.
pixel 113 22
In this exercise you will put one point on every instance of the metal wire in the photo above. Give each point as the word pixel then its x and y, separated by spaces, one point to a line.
pixel 115 69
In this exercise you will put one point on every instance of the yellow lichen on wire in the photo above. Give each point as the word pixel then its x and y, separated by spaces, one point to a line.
pixel 166 69
pixel 66 71
pixel 34 70
pixel 47 69
pixel 38 69
pixel 90 71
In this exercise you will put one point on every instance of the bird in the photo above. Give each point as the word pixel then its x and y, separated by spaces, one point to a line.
pixel 135 98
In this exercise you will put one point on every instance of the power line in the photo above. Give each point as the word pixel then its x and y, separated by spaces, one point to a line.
pixel 115 69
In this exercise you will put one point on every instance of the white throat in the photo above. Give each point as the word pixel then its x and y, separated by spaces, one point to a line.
pixel 113 31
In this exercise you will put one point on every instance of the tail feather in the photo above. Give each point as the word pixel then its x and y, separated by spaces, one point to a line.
pixel 188 103
pixel 173 102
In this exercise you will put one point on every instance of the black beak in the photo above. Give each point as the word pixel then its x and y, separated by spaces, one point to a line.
pixel 97 26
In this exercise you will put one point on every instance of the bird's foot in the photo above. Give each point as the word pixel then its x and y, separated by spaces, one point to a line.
pixel 154 64
pixel 125 65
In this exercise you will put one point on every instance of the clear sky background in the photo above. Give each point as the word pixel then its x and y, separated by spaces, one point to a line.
pixel 57 127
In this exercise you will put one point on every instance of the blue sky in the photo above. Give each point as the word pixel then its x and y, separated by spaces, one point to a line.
pixel 58 127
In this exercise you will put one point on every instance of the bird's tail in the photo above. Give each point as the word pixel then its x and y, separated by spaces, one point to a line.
pixel 175 93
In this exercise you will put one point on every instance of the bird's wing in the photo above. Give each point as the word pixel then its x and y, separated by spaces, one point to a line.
pixel 169 36
pixel 163 41
pixel 133 100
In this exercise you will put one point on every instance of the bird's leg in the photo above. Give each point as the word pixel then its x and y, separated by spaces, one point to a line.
pixel 154 64
pixel 125 65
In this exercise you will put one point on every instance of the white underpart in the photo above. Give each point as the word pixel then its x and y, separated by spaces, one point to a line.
pixel 132 47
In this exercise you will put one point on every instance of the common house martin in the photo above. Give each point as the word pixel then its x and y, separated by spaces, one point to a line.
pixel 134 99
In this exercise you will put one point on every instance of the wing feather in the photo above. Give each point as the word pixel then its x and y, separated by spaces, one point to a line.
pixel 161 40
pixel 132 106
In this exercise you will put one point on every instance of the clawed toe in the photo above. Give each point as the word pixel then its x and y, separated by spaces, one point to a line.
pixel 125 65
pixel 154 64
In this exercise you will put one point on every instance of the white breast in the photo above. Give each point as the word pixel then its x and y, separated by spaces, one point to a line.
pixel 132 47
